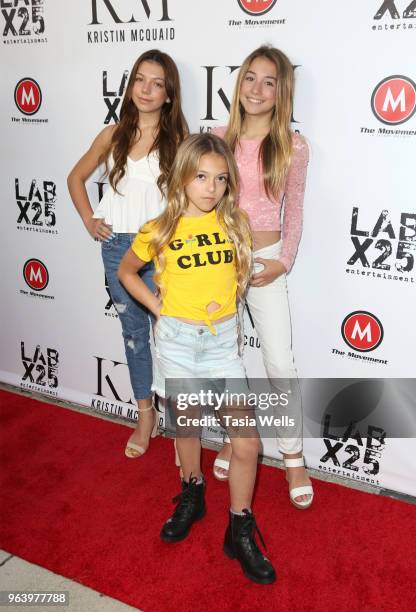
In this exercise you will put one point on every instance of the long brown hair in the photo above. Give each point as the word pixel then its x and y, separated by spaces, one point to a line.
pixel 172 125
pixel 276 148
pixel 233 220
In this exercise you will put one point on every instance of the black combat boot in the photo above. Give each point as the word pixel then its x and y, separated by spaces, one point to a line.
pixel 190 508
pixel 239 543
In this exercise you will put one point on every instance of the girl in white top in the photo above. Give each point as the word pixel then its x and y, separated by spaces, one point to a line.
pixel 138 153
pixel 137 199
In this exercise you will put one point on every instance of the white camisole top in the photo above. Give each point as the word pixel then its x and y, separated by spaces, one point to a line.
pixel 141 199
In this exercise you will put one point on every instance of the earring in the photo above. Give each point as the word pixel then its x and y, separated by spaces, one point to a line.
pixel 168 101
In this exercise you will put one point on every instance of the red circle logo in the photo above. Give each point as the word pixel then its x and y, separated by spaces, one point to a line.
pixel 394 100
pixel 362 331
pixel 256 7
pixel 28 96
pixel 35 274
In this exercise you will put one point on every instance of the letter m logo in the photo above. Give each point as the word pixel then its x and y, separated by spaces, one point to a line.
pixel 365 333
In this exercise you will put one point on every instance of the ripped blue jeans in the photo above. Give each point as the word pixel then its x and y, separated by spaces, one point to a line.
pixel 133 316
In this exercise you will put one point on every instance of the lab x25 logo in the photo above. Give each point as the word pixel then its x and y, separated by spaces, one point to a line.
pixel 387 244
pixel 36 205
pixel 22 21
pixel 353 443
pixel 352 448
pixel 112 95
pixel 389 7
pixel 41 367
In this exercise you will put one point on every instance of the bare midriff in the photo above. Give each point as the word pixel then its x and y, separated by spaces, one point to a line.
pixel 264 239
pixel 193 322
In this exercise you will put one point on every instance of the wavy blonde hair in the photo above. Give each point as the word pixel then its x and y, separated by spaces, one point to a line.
pixel 275 151
pixel 233 220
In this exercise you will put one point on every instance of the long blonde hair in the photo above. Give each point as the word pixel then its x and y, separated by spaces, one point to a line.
pixel 276 148
pixel 233 220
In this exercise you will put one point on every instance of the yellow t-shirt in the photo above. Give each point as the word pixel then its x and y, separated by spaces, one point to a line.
pixel 200 268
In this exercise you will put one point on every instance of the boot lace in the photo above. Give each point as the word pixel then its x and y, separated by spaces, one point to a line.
pixel 185 501
pixel 248 529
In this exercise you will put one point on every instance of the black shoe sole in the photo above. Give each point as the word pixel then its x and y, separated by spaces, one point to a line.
pixel 231 555
pixel 181 537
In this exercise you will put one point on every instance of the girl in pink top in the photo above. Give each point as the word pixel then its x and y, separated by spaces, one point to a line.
pixel 272 162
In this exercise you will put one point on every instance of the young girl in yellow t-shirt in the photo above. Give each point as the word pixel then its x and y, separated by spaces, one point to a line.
pixel 202 252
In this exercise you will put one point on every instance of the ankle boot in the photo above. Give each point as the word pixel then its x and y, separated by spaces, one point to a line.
pixel 190 508
pixel 239 543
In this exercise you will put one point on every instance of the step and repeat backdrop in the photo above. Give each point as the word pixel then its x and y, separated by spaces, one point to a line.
pixel 352 290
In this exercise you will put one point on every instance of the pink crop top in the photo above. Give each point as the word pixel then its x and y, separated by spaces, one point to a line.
pixel 264 213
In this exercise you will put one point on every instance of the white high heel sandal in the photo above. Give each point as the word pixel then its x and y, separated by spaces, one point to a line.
pixel 224 464
pixel 297 491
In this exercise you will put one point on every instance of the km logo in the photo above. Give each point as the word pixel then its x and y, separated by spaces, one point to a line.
pixel 116 16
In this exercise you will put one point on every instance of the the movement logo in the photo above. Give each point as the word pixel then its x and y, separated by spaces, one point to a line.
pixel 36 274
pixel 362 331
pixel 254 10
pixel 36 277
pixel 28 100
pixel 394 100
pixel 23 24
pixel 256 7
pixel 28 96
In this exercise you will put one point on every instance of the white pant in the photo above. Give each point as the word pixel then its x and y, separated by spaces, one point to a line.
pixel 269 308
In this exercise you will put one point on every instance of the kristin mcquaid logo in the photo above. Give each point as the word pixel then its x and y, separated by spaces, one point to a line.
pixel 36 274
pixel 28 96
pixel 394 100
pixel 113 22
pixel 256 7
pixel 362 331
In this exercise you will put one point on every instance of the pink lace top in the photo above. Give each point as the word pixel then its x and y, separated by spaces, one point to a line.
pixel 265 213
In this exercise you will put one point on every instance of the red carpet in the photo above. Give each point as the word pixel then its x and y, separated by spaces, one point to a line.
pixel 73 504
